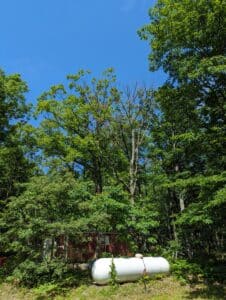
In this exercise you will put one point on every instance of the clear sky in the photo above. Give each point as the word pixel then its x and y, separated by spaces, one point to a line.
pixel 44 40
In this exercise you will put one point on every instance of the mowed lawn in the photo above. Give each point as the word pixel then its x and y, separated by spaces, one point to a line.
pixel 166 288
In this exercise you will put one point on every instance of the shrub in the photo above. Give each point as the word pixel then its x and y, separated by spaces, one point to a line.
pixel 186 271
pixel 31 273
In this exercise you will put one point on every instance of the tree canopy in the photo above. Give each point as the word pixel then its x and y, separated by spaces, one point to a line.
pixel 146 164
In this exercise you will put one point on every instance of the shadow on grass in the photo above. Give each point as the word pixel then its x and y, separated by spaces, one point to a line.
pixel 208 291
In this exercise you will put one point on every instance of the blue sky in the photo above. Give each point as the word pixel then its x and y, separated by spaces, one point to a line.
pixel 44 40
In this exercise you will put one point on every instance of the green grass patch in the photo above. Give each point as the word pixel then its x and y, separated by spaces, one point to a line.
pixel 160 288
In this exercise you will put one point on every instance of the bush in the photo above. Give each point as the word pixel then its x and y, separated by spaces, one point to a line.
pixel 186 271
pixel 30 273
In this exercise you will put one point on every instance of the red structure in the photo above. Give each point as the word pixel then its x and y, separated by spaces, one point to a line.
pixel 93 246
pixel 2 260
pixel 84 247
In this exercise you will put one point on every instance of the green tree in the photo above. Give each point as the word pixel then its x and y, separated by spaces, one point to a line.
pixel 53 208
pixel 74 132
pixel 14 165
pixel 187 40
pixel 100 133
pixel 133 119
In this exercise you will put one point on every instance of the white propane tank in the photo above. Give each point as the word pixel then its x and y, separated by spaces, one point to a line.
pixel 128 269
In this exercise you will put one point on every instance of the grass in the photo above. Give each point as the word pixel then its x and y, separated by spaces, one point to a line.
pixel 166 288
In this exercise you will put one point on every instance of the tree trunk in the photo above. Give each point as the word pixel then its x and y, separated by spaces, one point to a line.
pixel 133 168
pixel 53 248
pixel 175 238
pixel 98 180
pixel 181 201
pixel 66 240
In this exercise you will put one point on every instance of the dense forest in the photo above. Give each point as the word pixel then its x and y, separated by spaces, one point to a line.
pixel 147 164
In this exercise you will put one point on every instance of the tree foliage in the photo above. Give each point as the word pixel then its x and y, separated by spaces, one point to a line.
pixel 146 164
pixel 187 39
pixel 14 165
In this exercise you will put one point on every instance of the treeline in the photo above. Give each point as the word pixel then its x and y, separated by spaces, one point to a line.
pixel 146 164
